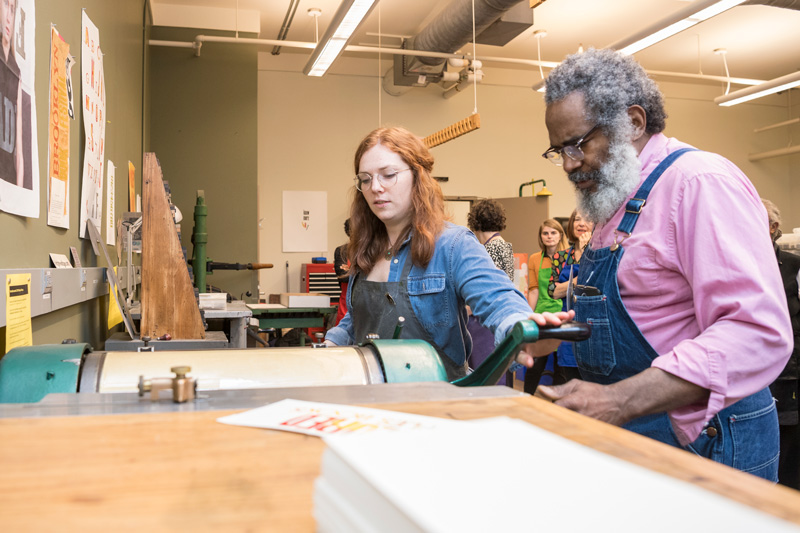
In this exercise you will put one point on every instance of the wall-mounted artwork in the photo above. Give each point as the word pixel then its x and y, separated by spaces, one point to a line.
pixel 305 221
pixel 19 154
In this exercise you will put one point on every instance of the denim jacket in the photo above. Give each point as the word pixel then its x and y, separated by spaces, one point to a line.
pixel 460 273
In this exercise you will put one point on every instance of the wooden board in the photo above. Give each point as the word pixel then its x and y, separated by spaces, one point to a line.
pixel 462 127
pixel 168 301
pixel 187 472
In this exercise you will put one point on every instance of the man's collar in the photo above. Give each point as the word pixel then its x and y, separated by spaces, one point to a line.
pixel 655 145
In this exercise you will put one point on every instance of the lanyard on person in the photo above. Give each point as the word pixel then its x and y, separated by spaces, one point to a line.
pixel 490 238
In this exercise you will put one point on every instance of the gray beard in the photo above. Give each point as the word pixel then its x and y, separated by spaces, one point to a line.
pixel 614 181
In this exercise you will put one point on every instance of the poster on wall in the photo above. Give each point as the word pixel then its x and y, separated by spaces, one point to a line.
pixel 19 153
pixel 110 216
pixel 94 123
pixel 131 187
pixel 18 310
pixel 58 132
pixel 305 221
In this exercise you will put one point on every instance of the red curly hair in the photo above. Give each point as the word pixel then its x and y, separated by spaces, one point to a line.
pixel 369 240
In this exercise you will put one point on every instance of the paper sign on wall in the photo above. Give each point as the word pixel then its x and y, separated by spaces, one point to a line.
pixel 110 211
pixel 131 188
pixel 58 133
pixel 114 313
pixel 94 123
pixel 305 221
pixel 19 149
pixel 60 261
pixel 18 311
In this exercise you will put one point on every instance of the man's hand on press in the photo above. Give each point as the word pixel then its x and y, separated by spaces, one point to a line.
pixel 542 348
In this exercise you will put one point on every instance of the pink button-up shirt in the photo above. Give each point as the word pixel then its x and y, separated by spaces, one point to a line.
pixel 699 279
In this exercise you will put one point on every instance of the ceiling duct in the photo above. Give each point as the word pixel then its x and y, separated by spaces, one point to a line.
pixel 513 22
pixel 788 4
pixel 448 32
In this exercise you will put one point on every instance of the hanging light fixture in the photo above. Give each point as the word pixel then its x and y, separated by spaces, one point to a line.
pixel 539 34
pixel 685 18
pixel 345 22
pixel 757 91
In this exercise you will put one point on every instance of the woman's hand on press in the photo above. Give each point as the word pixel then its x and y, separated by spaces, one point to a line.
pixel 532 350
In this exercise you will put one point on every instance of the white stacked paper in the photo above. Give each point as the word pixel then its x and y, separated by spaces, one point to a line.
pixel 506 475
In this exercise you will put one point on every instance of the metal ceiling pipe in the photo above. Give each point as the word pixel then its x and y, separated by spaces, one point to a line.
pixel 452 28
pixel 200 39
pixel 287 22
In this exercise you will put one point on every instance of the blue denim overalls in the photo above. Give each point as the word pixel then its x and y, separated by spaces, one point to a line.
pixel 743 435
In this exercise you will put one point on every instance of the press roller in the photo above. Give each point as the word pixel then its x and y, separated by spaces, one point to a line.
pixel 27 374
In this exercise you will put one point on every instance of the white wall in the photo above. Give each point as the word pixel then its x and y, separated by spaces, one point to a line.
pixel 309 129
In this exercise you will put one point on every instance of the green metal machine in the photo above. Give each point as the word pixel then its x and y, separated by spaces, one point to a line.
pixel 27 374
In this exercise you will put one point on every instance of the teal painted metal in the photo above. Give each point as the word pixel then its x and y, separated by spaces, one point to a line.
pixel 493 368
pixel 29 373
pixel 409 360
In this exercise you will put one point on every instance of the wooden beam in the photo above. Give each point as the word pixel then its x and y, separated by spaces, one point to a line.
pixel 168 301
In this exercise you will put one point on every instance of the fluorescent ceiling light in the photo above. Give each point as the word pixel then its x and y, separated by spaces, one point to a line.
pixel 675 23
pixel 757 91
pixel 346 20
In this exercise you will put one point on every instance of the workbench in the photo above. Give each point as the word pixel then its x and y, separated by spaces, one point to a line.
pixel 78 466
pixel 236 313
pixel 277 317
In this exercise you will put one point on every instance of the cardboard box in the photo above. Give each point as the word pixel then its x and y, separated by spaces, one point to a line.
pixel 213 300
pixel 305 299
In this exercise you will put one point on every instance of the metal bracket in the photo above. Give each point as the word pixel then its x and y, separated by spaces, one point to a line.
pixel 94 233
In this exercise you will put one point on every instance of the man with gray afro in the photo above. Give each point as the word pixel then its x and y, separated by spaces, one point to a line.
pixel 689 321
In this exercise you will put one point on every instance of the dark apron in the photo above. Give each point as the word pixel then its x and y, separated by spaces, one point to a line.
pixel 743 435
pixel 376 306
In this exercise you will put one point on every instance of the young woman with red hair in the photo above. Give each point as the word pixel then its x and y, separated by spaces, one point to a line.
pixel 407 261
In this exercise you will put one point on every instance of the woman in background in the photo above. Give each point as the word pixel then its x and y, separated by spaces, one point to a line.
pixel 579 233
pixel 487 219
pixel 551 241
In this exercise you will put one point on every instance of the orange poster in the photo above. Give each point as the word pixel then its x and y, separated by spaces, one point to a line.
pixel 58 133
pixel 131 187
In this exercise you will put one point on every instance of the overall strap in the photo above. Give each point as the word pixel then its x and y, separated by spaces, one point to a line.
pixel 634 206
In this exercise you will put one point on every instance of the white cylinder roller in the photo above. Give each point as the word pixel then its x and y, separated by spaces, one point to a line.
pixel 242 369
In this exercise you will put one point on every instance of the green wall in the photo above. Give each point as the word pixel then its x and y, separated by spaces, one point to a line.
pixel 202 128
pixel 26 242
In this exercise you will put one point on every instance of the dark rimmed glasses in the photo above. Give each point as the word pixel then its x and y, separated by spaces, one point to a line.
pixel 572 150
pixel 387 178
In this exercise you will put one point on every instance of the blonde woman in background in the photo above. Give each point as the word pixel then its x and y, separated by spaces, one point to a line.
pixel 551 240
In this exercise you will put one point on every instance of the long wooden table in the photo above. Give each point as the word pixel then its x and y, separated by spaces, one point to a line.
pixel 185 471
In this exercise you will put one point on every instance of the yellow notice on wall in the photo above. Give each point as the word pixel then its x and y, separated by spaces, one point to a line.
pixel 18 311
pixel 114 314
pixel 131 187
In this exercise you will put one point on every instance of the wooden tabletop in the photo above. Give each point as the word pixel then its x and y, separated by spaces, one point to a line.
pixel 185 471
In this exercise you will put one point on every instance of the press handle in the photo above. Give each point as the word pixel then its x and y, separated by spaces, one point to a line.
pixel 571 331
